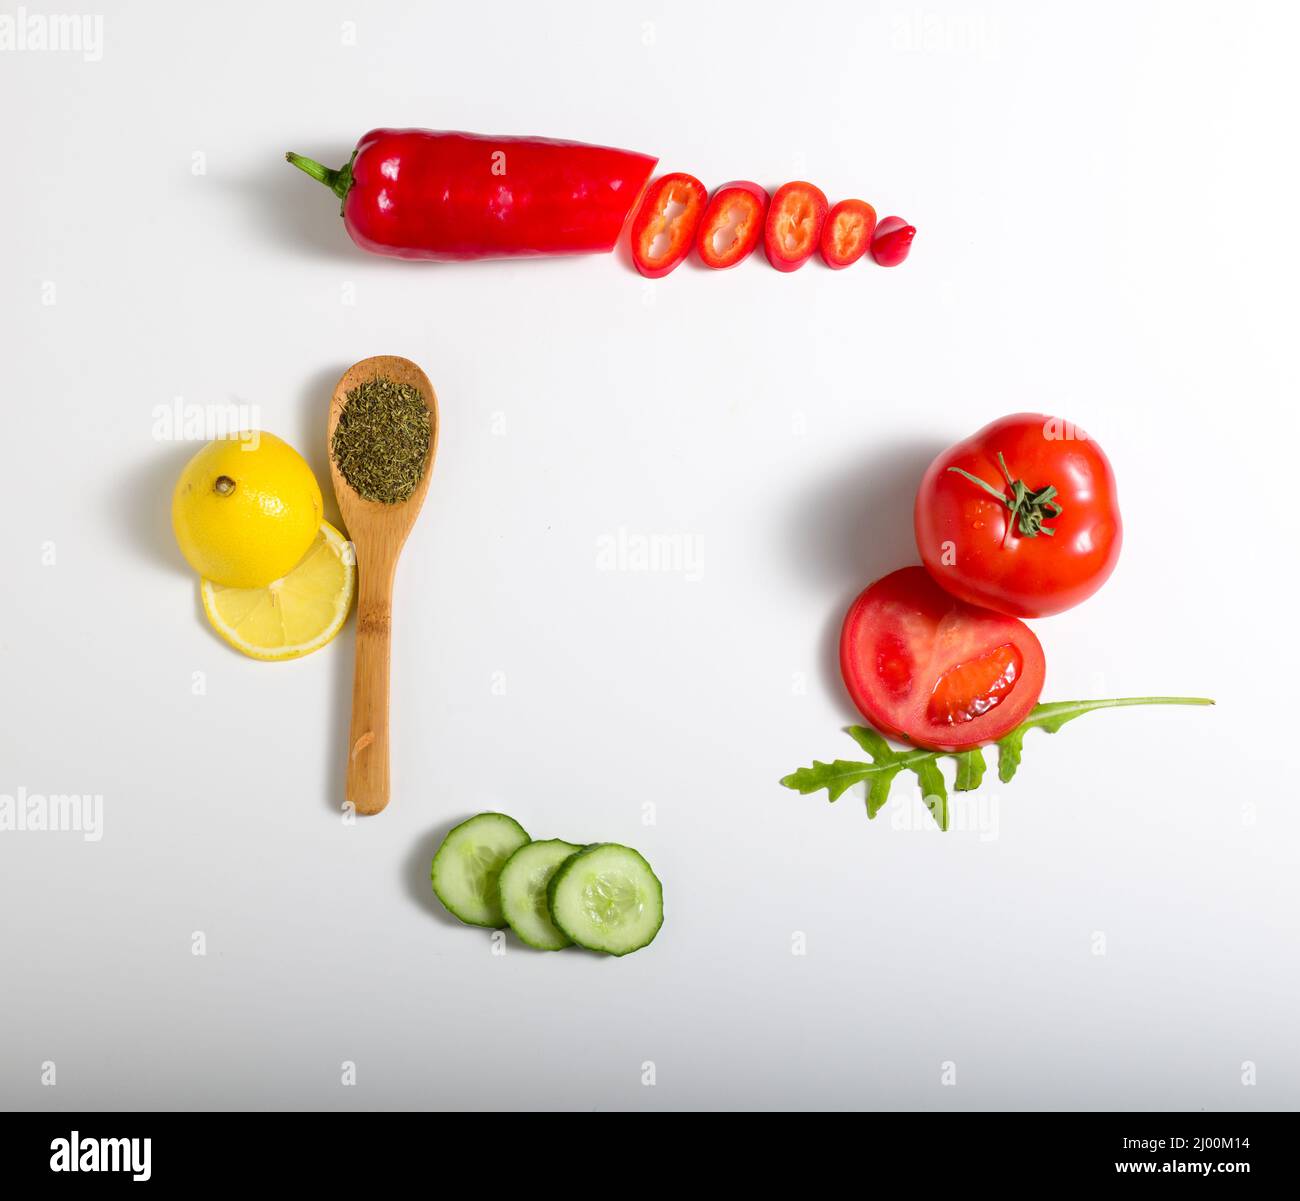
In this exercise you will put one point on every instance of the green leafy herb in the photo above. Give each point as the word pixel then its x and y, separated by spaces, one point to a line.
pixel 840 775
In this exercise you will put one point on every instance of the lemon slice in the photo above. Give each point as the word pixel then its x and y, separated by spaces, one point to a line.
pixel 294 615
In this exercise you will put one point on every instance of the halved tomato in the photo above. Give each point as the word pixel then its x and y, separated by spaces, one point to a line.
pixel 929 669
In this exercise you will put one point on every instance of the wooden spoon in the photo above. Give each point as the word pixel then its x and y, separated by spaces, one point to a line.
pixel 377 531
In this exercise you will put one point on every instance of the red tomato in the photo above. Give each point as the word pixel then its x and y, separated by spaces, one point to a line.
pixel 794 225
pixel 1022 517
pixel 892 241
pixel 847 233
pixel 732 224
pixel 931 670
pixel 663 229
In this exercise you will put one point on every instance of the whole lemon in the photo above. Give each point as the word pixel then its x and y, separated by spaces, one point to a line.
pixel 245 510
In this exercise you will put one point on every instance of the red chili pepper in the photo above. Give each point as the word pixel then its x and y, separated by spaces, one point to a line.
pixel 444 195
pixel 847 233
pixel 732 224
pixel 663 229
pixel 892 241
pixel 794 224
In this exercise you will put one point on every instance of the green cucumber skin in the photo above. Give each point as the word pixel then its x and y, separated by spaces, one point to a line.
pixel 519 934
pixel 433 867
pixel 570 864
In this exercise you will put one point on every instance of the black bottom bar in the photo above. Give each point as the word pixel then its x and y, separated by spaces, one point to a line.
pixel 337 1149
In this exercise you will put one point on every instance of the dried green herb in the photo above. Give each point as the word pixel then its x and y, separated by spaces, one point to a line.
pixel 381 440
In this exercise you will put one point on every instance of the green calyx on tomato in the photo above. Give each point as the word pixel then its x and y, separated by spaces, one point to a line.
pixel 1030 509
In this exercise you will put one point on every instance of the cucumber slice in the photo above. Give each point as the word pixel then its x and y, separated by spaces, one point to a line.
pixel 465 868
pixel 523 882
pixel 606 898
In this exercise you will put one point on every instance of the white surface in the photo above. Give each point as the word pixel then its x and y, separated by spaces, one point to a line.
pixel 1107 230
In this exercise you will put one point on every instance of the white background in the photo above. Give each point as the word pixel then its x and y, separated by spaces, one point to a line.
pixel 1105 195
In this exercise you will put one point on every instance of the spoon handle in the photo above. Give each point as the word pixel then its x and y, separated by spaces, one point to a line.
pixel 367 775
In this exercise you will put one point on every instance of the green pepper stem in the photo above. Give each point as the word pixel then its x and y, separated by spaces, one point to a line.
pixel 338 181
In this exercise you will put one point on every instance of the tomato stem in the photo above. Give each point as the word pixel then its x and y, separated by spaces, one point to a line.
pixel 1029 509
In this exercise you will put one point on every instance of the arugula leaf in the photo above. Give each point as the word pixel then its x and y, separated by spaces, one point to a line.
pixel 970 769
pixel 1010 746
pixel 933 790
pixel 884 761
pixel 879 774
pixel 838 777
pixel 1051 717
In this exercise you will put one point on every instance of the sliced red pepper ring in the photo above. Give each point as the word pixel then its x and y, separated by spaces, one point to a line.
pixel 892 241
pixel 794 224
pixel 732 224
pixel 663 230
pixel 846 235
